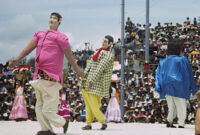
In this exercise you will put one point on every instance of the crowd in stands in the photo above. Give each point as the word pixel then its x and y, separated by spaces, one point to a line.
pixel 140 104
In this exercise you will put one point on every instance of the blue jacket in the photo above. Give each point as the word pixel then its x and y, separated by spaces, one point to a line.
pixel 174 77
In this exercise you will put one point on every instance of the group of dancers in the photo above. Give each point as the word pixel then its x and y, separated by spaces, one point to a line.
pixel 51 47
pixel 174 80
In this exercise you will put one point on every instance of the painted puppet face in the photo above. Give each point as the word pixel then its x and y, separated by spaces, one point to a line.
pixel 53 22
pixel 105 43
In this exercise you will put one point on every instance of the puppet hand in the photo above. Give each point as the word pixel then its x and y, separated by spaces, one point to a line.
pixel 156 95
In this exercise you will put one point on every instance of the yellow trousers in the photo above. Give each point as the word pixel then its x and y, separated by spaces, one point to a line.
pixel 93 104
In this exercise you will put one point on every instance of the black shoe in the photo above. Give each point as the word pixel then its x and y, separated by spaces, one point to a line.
pixel 20 119
pixel 65 127
pixel 51 133
pixel 42 132
pixel 170 125
pixel 45 133
pixel 181 127
pixel 104 126
pixel 87 127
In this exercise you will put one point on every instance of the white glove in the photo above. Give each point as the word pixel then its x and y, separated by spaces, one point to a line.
pixel 156 95
pixel 193 97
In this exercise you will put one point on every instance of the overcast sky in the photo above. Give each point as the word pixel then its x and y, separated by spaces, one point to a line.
pixel 83 20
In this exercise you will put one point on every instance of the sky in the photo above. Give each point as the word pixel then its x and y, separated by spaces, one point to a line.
pixel 84 21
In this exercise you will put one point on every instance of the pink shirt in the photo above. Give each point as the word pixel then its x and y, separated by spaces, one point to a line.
pixel 50 49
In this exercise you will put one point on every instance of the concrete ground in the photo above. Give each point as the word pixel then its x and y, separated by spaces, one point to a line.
pixel 31 128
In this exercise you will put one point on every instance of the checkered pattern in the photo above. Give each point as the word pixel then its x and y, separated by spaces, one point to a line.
pixel 99 74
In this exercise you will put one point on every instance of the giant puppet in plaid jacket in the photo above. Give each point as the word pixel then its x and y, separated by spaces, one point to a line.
pixel 99 73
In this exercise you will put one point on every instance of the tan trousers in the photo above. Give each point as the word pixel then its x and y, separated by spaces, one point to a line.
pixel 93 104
pixel 47 96
pixel 177 107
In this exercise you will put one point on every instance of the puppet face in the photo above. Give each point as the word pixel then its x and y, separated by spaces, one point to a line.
pixel 105 44
pixel 54 22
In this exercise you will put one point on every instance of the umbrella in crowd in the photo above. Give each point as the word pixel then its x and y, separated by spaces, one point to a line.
pixel 194 53
pixel 21 68
pixel 8 73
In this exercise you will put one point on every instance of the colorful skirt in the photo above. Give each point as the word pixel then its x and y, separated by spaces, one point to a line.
pixel 113 112
pixel 64 110
pixel 19 109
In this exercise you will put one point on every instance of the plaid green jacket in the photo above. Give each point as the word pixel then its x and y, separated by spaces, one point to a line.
pixel 99 74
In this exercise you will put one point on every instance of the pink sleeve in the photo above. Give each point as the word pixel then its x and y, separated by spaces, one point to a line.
pixel 63 42
pixel 35 37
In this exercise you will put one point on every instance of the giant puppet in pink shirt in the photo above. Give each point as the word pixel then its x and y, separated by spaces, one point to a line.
pixel 50 53
pixel 51 46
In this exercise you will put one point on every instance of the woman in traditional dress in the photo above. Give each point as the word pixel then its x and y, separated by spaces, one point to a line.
pixel 19 111
pixel 113 112
pixel 64 107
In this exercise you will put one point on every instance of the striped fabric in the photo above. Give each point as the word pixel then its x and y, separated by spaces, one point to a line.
pixel 99 74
